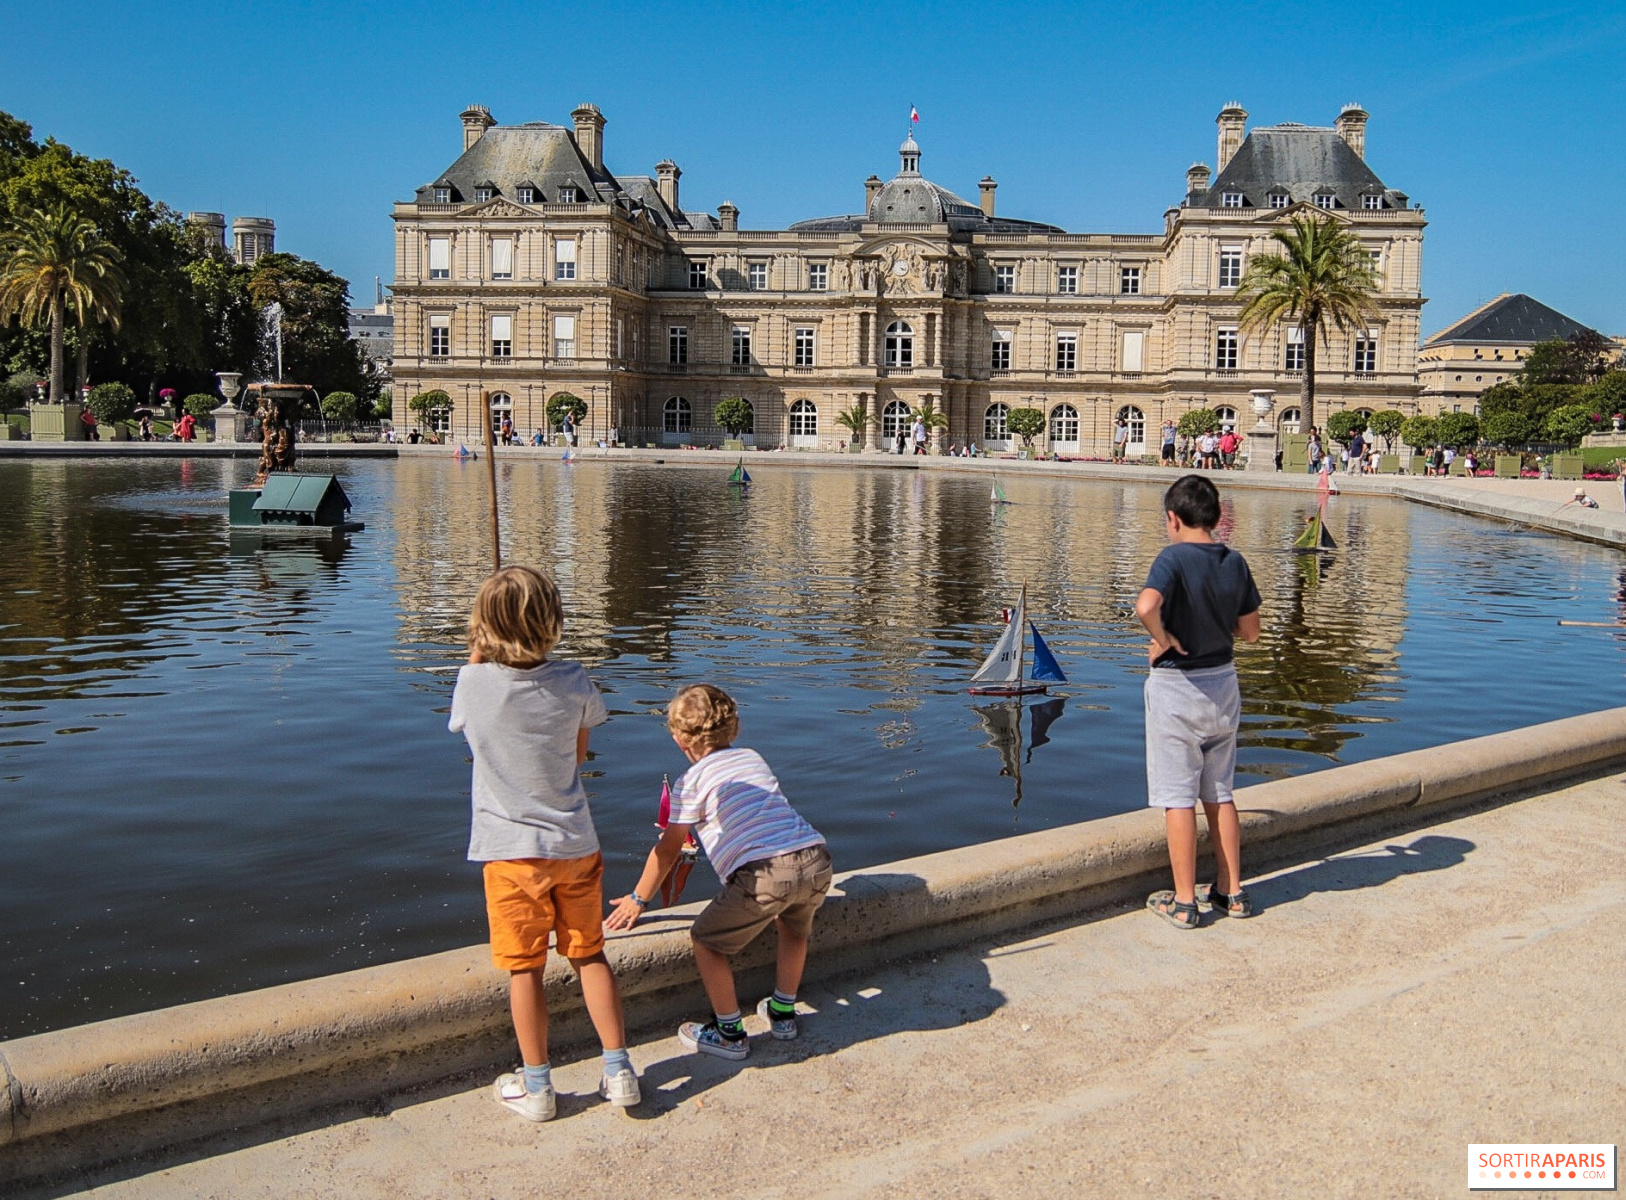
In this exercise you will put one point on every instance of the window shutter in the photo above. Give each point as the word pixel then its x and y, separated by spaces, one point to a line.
pixel 502 327
pixel 564 250
pixel 502 257
pixel 440 321
pixel 440 254
pixel 1134 349
pixel 564 328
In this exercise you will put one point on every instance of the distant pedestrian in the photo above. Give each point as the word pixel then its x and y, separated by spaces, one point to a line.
pixel 527 718
pixel 1170 433
pixel 774 866
pixel 1581 499
pixel 414 438
pixel 1120 440
pixel 1208 451
pixel 1312 450
pixel 144 427
pixel 919 435
pixel 1357 453
pixel 1199 597
pixel 1228 443
pixel 569 429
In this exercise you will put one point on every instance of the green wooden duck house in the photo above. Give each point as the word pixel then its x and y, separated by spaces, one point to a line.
pixel 292 503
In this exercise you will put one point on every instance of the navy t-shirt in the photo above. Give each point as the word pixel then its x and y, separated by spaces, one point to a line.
pixel 1206 586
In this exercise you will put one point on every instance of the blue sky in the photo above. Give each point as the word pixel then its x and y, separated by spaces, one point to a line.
pixel 1503 120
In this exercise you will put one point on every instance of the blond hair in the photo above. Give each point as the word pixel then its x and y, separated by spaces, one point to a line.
pixel 517 618
pixel 705 717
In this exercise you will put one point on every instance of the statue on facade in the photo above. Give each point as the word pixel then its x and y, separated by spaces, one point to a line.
pixel 278 409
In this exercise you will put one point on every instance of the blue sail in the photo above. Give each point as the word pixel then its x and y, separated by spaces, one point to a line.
pixel 1045 666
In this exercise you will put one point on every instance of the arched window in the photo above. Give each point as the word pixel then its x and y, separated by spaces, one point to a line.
pixel 1227 417
pixel 993 423
pixel 804 419
pixel 1064 423
pixel 1290 420
pixel 502 407
pixel 894 420
pixel 1137 429
pixel 677 417
pixel 900 344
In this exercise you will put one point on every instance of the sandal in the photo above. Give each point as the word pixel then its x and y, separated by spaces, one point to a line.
pixel 1237 904
pixel 1181 916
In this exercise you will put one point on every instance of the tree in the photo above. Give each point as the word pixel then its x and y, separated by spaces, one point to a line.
pixel 200 404
pixel 1508 429
pixel 1608 395
pixel 384 407
pixel 854 420
pixel 932 417
pixel 426 404
pixel 53 261
pixel 736 415
pixel 316 344
pixel 1343 425
pixel 1457 429
pixel 562 403
pixel 112 402
pixel 1579 359
pixel 1419 431
pixel 1323 280
pixel 1568 425
pixel 1197 422
pixel 340 406
pixel 1386 425
pixel 1025 423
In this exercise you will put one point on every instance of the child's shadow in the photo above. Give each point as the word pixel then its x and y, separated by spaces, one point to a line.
pixel 893 995
pixel 1369 869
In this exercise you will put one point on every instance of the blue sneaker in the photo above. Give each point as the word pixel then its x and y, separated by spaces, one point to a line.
pixel 709 1039
pixel 783 1028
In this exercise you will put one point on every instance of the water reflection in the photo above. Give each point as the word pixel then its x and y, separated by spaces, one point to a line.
pixel 223 763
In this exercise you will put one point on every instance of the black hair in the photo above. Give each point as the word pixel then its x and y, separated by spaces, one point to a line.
pixel 1195 500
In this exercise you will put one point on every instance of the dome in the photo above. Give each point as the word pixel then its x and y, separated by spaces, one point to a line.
pixel 909 146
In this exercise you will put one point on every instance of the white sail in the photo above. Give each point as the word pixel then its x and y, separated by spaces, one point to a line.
pixel 1004 663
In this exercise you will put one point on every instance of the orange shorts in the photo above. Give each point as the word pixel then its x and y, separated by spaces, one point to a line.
pixel 529 898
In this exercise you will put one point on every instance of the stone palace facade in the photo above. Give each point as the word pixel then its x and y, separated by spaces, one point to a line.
pixel 527 268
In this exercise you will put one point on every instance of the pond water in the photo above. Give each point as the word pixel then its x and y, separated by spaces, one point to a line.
pixel 225 765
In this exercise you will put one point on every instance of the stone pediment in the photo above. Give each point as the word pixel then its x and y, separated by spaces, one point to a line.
pixel 901 267
pixel 498 208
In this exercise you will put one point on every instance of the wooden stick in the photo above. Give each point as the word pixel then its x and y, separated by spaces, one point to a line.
pixel 491 482
pixel 1595 624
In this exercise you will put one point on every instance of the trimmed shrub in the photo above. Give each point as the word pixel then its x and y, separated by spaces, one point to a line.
pixel 734 414
pixel 563 402
pixel 112 402
pixel 1198 422
pixel 1419 431
pixel 1568 425
pixel 340 406
pixel 1457 429
pixel 201 404
pixel 1507 429
pixel 1386 425
pixel 1025 423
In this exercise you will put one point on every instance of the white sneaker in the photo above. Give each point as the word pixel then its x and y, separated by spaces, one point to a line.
pixel 620 1089
pixel 533 1106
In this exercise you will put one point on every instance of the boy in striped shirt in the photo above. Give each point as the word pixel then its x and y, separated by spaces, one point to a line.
pixel 774 866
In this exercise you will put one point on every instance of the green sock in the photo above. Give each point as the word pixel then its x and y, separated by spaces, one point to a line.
pixel 782 1005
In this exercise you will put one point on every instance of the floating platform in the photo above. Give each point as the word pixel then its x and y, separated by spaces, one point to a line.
pixel 293 504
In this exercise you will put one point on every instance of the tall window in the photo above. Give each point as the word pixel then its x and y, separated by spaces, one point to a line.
pixel 1067 352
pixel 1000 357
pixel 1230 268
pixel 440 335
pixel 564 258
pixel 804 419
pixel 1225 350
pixel 1067 281
pixel 1375 257
pixel 741 342
pixel 564 337
pixel 677 345
pixel 1230 199
pixel 1129 281
pixel 502 258
pixel 818 276
pixel 677 416
pixel 1371 200
pixel 502 335
pixel 697 276
pixel 620 338
pixel 1326 200
pixel 757 275
pixel 440 420
pixel 1134 351
pixel 440 258
pixel 502 408
pixel 1366 353
pixel 900 345
pixel 894 420
pixel 1005 278
pixel 1293 360
pixel 993 423
pixel 1064 423
pixel 443 195
pixel 1136 420
pixel 804 347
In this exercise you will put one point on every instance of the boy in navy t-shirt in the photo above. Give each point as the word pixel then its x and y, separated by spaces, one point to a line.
pixel 1198 598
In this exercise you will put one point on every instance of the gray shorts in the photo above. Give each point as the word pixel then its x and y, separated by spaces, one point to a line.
pixel 1191 721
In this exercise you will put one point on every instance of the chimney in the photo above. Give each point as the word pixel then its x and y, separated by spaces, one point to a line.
pixel 667 175
pixel 1232 122
pixel 1351 126
pixel 985 194
pixel 872 185
pixel 1196 179
pixel 729 216
pixel 590 134
pixel 476 120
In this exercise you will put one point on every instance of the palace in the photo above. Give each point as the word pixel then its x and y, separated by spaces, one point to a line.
pixel 528 269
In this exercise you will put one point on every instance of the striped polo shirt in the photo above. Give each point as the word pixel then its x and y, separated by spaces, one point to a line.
pixel 734 803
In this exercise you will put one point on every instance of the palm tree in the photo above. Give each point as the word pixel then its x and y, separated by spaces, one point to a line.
pixel 856 420
pixel 1324 279
pixel 53 260
pixel 932 417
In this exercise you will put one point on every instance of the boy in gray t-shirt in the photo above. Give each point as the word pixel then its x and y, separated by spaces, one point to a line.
pixel 1198 598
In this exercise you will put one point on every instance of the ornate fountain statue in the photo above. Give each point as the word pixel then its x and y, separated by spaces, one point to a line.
pixel 278 407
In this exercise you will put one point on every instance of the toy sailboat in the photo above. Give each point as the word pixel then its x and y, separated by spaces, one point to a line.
pixel 672 885
pixel 1001 672
pixel 1315 535
pixel 739 475
pixel 464 452
pixel 998 495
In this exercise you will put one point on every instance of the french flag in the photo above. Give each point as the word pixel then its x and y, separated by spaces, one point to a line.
pixel 914 115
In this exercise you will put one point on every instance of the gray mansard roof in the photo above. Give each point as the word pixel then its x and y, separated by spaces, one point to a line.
pixel 545 157
pixel 1510 318
pixel 1300 161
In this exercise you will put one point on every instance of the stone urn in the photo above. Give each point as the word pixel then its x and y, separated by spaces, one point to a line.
pixel 1262 437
